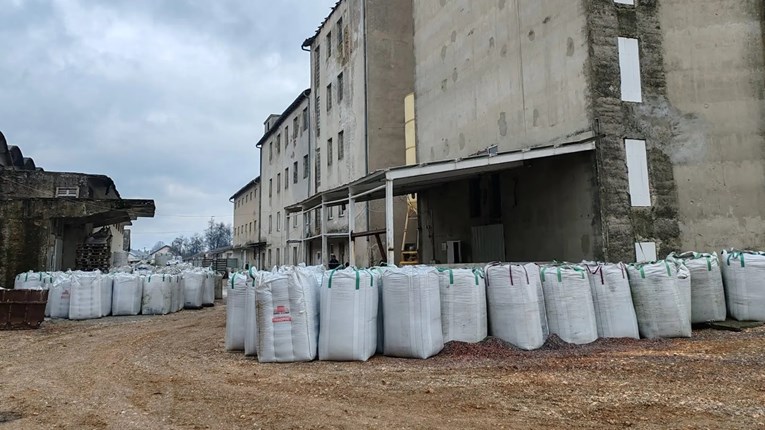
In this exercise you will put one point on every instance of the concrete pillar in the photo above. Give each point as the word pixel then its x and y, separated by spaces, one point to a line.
pixel 324 239
pixel 389 233
pixel 351 213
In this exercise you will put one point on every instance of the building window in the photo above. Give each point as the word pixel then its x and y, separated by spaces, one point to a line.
pixel 305 119
pixel 340 87
pixel 340 145
pixel 340 35
pixel 294 221
pixel 329 152
pixel 270 224
pixel 331 212
pixel 255 226
pixel 294 256
pixel 295 127
pixel 295 172
pixel 278 221
pixel 629 69
pixel 279 143
pixel 286 137
pixel 637 172
pixel 278 256
pixel 270 151
pixel 306 167
pixel 341 212
pixel 269 258
pixel 287 178
pixel 629 2
pixel 270 187
pixel 329 44
pixel 318 166
pixel 645 252
pixel 317 219
pixel 278 183
pixel 329 97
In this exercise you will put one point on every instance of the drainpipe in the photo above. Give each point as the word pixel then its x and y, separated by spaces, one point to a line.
pixel 366 102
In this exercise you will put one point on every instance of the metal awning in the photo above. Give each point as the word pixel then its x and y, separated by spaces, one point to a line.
pixel 403 180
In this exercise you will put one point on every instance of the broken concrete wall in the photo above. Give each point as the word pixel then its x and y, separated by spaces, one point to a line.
pixel 715 84
pixel 511 73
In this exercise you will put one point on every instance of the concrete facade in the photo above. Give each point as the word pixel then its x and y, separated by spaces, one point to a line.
pixel 362 68
pixel 284 180
pixel 518 73
pixel 246 228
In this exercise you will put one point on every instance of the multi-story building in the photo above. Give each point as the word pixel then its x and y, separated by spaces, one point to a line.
pixel 661 105
pixel 285 168
pixel 362 68
pixel 246 233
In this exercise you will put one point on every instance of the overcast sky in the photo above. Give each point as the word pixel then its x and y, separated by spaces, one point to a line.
pixel 167 97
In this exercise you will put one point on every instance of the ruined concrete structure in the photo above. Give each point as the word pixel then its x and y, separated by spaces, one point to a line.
pixel 671 93
pixel 46 215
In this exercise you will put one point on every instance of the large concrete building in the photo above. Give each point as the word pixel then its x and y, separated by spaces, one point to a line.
pixel 47 215
pixel 285 168
pixel 362 67
pixel 655 109
pixel 246 231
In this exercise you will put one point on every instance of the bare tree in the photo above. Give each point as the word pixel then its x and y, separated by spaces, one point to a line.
pixel 217 235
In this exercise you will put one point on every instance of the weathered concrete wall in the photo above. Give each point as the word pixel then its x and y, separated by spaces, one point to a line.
pixel 511 73
pixel 549 209
pixel 624 225
pixel 41 184
pixel 715 83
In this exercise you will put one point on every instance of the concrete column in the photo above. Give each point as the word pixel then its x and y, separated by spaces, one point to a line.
pixel 324 239
pixel 389 233
pixel 351 214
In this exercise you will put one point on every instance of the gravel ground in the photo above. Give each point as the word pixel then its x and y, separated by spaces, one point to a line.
pixel 172 372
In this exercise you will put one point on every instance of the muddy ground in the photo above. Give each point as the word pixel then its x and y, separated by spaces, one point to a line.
pixel 172 372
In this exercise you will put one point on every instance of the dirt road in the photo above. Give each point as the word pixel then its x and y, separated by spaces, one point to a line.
pixel 172 372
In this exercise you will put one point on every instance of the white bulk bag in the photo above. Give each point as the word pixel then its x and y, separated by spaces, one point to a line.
pixel 107 282
pixel 516 308
pixel 235 311
pixel 208 298
pixel 463 305
pixel 33 281
pixel 744 279
pixel 349 301
pixel 85 299
pixel 59 296
pixel 684 286
pixel 659 305
pixel 157 294
pixel 611 295
pixel 707 292
pixel 287 317
pixel 568 300
pixel 250 317
pixel 412 306
pixel 193 289
pixel 127 294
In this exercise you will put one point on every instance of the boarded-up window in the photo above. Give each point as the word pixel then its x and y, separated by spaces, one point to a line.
pixel 645 251
pixel 637 172
pixel 629 68
pixel 67 192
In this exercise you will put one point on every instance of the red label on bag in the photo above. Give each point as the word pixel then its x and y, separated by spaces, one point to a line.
pixel 282 319
pixel 281 314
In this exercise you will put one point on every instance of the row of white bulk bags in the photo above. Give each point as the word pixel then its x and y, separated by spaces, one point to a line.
pixel 612 300
pixel 659 300
pixel 236 302
pixel 744 279
pixel 33 281
pixel 568 300
pixel 107 283
pixel 516 305
pixel 194 289
pixel 463 305
pixel 157 294
pixel 208 298
pixel 707 292
pixel 349 305
pixel 250 314
pixel 127 294
pixel 59 296
pixel 412 308
pixel 85 296
pixel 287 317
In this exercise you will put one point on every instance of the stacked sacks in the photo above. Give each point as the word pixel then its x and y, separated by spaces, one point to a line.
pixel 85 296
pixel 59 296
pixel 236 312
pixel 463 305
pixel 412 306
pixel 743 275
pixel 287 316
pixel 611 295
pixel 659 304
pixel 107 282
pixel 568 299
pixel 157 294
pixel 193 289
pixel 516 305
pixel 33 281
pixel 127 294
pixel 208 298
pixel 349 304
pixel 707 292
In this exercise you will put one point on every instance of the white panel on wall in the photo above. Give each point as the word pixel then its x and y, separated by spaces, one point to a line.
pixel 637 172
pixel 632 2
pixel 629 66
pixel 645 251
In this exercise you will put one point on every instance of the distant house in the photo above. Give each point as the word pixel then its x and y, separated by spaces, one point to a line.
pixel 165 250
